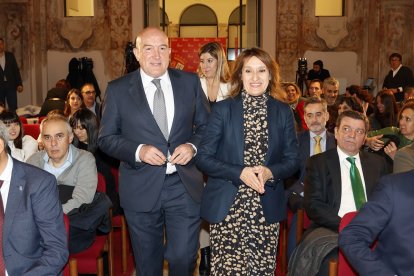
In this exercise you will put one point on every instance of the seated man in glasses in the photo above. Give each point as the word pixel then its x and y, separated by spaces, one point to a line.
pixel 337 181
pixel 89 98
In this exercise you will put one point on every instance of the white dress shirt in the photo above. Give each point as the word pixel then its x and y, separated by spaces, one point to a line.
pixel 149 89
pixel 347 196
pixel 313 142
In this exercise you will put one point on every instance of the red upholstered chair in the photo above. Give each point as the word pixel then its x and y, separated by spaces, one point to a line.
pixel 41 118
pixel 70 268
pixel 23 120
pixel 32 130
pixel 90 261
pixel 119 221
pixel 342 268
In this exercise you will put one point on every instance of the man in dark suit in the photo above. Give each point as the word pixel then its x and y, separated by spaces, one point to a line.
pixel 330 191
pixel 398 77
pixel 10 79
pixel 315 115
pixel 313 141
pixel 159 183
pixel 33 239
pixel 388 218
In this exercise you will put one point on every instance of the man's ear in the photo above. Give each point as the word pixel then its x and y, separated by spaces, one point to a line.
pixel 70 137
pixel 136 53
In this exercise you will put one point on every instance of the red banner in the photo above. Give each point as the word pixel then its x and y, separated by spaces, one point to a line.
pixel 184 51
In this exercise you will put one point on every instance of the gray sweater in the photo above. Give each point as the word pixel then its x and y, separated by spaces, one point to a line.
pixel 81 174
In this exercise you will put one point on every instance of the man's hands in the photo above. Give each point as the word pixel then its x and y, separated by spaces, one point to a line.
pixel 153 156
pixel 182 154
pixel 256 177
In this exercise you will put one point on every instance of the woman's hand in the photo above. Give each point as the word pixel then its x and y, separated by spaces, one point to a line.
pixel 391 149
pixel 263 173
pixel 374 142
pixel 251 179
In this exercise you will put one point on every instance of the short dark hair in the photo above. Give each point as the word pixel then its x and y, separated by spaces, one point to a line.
pixel 319 62
pixel 88 121
pixel 397 55
pixel 351 102
pixel 354 115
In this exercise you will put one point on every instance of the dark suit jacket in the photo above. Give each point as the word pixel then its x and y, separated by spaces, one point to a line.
pixel 221 155
pixel 127 122
pixel 34 235
pixel 388 217
pixel 11 71
pixel 304 149
pixel 403 78
pixel 323 185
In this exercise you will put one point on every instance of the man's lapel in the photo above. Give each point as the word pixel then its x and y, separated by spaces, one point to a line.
pixel 334 169
pixel 179 98
pixel 14 199
pixel 137 93
pixel 367 173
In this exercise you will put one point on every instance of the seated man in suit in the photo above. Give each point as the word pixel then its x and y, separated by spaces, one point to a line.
pixel 311 142
pixel 388 218
pixel 74 169
pixel 33 239
pixel 337 181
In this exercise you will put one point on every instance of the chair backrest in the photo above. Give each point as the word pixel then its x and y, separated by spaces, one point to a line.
pixel 32 130
pixel 23 119
pixel 344 268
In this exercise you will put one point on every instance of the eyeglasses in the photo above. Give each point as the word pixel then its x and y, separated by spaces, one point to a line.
pixel 49 138
pixel 349 130
pixel 89 92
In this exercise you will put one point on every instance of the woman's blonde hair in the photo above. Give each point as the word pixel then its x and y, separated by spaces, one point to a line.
pixel 216 51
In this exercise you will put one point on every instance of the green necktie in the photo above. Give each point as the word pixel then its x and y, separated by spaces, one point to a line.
pixel 357 186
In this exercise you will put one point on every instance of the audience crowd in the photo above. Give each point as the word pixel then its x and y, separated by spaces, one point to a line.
pixel 323 153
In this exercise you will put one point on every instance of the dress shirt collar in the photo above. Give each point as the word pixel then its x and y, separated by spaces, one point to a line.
pixel 147 80
pixel 342 156
pixel 3 61
pixel 6 176
pixel 322 135
pixel 7 172
pixel 394 72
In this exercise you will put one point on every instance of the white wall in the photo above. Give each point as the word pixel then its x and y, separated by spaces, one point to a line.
pixel 57 67
pixel 343 66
